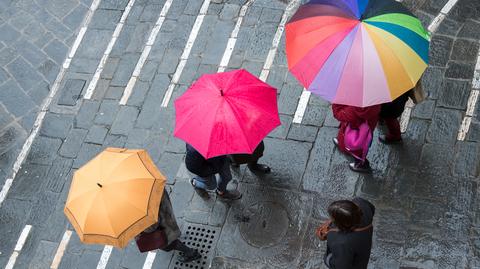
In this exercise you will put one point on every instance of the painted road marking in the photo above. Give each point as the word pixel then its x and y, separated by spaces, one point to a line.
pixel 106 54
pixel 149 260
pixel 186 52
pixel 472 102
pixel 146 51
pixel 61 249
pixel 18 247
pixel 46 103
pixel 292 6
pixel 227 55
pixel 102 263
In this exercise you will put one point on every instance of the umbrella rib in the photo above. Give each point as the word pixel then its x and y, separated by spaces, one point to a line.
pixel 240 125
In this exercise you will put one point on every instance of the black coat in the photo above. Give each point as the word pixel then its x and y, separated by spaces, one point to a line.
pixel 197 164
pixel 395 108
pixel 351 250
pixel 249 158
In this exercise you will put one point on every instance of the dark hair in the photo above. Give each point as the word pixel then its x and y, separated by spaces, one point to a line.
pixel 345 214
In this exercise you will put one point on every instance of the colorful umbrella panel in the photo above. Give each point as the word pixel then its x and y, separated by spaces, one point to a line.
pixel 356 52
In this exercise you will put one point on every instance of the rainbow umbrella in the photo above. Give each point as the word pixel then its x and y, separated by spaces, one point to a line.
pixel 356 52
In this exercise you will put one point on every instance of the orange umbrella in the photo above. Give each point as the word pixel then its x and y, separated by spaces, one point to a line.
pixel 114 197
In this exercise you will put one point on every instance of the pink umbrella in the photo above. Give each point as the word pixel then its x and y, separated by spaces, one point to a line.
pixel 226 113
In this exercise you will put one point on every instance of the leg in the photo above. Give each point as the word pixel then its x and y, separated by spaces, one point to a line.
pixel 394 134
pixel 206 183
pixel 189 254
pixel 225 177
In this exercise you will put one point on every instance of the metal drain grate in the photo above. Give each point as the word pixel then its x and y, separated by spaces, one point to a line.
pixel 202 238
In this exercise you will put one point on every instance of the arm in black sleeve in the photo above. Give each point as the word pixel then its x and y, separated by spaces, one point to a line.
pixel 342 256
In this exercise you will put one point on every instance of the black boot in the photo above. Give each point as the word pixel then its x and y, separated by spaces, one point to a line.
pixel 361 167
pixel 262 168
pixel 189 254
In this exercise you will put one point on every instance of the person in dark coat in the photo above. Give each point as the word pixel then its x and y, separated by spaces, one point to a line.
pixel 251 160
pixel 206 170
pixel 168 223
pixel 390 112
pixel 350 243
pixel 354 116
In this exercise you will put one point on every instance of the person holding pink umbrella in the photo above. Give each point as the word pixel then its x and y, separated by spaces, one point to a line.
pixel 223 114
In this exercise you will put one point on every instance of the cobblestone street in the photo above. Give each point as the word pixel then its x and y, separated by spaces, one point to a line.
pixel 77 76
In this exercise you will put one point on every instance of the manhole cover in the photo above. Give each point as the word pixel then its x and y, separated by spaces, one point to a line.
pixel 264 224
pixel 202 238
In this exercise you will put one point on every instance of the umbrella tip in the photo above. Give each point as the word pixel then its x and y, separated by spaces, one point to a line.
pixel 100 185
pixel 221 92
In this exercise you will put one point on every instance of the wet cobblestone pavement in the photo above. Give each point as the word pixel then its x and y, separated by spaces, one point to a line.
pixel 425 191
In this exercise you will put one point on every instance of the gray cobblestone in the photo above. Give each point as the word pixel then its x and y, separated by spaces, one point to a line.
pixel 444 126
pixel 454 94
pixel 96 134
pixel 107 112
pixel 125 120
pixel 14 99
pixel 23 73
pixel 459 70
pixel 86 114
pixel 105 19
pixel 73 142
pixel 86 153
pixel 56 125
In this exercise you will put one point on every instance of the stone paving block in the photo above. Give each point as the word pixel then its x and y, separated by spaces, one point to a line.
pixel 23 73
pixel 265 227
pixel 385 255
pixel 44 150
pixel 433 7
pixel 176 9
pixel 113 4
pixel 137 137
pixel 261 42
pixel 102 87
pixel 30 52
pixel 436 159
pixel 71 92
pixel 29 182
pixel 440 47
pixel 465 10
pixel 436 187
pixel 110 67
pixel 470 30
pixel 106 19
pixel 150 13
pixel 75 17
pixel 4 76
pixel 43 208
pixel 217 42
pixel 56 125
pixel 448 27
pixel 287 167
pixel 49 69
pixel 73 142
pixel 107 112
pixel 467 163
pixel 271 15
pixel 444 127
pixel 464 50
pixel 302 133
pixel 123 40
pixel 175 145
pixel 424 110
pixel 34 31
pixel 5 118
pixel 58 29
pixel 44 39
pixel 340 180
pixel 58 174
pixel 231 263
pixel 288 99
pixel 315 115
pixel 277 76
pixel 56 50
pixel 193 7
pixel 117 141
pixel 454 94
pixel 10 137
pixel 181 196
pixel 459 70
pixel 330 120
pixel 7 55
pixel 86 114
pixel 94 36
pixel 229 11
pixel 474 133
pixel 125 120
pixel 87 152
pixel 125 69
pixel 139 37
pixel 44 252
pixel 89 259
pixel 169 164
pixel 138 95
pixel 84 65
pixel 21 20
pixel 69 261
pixel 96 134
pixel 282 130
pixel 12 221
pixel 115 93
pixel 9 34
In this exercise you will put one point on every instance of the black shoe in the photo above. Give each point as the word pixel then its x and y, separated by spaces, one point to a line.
pixel 230 195
pixel 335 141
pixel 386 141
pixel 189 257
pixel 360 167
pixel 263 168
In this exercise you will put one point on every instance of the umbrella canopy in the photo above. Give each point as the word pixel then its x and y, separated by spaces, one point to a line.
pixel 226 113
pixel 356 52
pixel 114 197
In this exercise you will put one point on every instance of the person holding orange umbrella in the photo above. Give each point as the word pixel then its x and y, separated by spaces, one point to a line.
pixel 120 195
pixel 222 114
